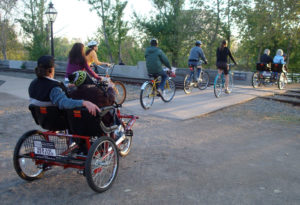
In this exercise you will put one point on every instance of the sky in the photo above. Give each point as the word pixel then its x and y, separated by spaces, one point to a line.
pixel 75 20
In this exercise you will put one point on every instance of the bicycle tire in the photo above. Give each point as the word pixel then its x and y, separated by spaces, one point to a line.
pixel 169 91
pixel 255 80
pixel 282 80
pixel 218 85
pixel 187 88
pixel 22 151
pixel 102 157
pixel 120 92
pixel 147 95
pixel 204 81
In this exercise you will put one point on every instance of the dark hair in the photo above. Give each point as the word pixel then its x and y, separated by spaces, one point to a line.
pixel 223 43
pixel 44 65
pixel 90 49
pixel 76 55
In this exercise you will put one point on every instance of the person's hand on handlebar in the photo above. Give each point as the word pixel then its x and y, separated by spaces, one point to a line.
pixel 92 108
pixel 205 62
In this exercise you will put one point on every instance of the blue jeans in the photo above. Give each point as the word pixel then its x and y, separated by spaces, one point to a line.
pixel 164 76
pixel 192 74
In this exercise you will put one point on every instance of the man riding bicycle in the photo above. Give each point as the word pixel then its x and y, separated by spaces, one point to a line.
pixel 194 59
pixel 155 57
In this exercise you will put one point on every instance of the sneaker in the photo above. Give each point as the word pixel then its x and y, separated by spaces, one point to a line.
pixel 227 91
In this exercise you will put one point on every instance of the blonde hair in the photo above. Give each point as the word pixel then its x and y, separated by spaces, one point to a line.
pixel 279 52
pixel 267 51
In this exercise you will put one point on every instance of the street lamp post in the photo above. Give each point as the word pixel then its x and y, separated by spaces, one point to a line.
pixel 51 15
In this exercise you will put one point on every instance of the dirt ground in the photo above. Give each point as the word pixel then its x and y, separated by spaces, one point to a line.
pixel 245 154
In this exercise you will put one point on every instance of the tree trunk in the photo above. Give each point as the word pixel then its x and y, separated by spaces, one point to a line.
pixel 216 32
pixel 104 32
pixel 259 54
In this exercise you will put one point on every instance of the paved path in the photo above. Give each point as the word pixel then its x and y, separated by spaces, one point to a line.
pixel 199 102
pixel 182 107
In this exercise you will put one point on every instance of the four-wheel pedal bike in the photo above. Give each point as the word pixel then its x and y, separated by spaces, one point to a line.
pixel 75 139
pixel 149 89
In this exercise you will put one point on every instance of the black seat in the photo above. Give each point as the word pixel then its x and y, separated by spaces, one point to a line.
pixel 276 67
pixel 81 122
pixel 49 118
pixel 262 67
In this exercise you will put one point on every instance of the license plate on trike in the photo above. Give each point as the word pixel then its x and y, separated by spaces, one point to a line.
pixel 44 149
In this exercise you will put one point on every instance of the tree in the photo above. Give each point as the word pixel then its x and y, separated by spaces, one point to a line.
pixel 6 30
pixel 35 30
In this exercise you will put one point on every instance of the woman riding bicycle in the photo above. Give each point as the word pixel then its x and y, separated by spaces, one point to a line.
pixel 91 55
pixel 77 61
pixel 194 59
pixel 222 54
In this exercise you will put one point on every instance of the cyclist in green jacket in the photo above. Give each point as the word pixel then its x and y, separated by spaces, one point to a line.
pixel 155 57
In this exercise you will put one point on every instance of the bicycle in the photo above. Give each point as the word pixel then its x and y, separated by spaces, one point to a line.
pixel 149 90
pixel 191 81
pixel 37 151
pixel 219 83
pixel 118 86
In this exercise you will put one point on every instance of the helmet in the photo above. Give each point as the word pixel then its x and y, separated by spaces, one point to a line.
pixel 154 42
pixel 80 78
pixel 92 43
pixel 198 43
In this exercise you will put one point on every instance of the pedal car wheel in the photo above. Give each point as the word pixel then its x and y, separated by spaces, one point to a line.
pixel 147 95
pixel 169 91
pixel 218 86
pixel 255 80
pixel 101 166
pixel 125 146
pixel 24 165
pixel 282 81
pixel 120 92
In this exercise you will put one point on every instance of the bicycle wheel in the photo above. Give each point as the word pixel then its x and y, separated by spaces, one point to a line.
pixel 24 165
pixel 169 91
pixel 255 80
pixel 282 81
pixel 147 95
pixel 203 81
pixel 218 85
pixel 187 86
pixel 125 146
pixel 120 91
pixel 230 83
pixel 101 166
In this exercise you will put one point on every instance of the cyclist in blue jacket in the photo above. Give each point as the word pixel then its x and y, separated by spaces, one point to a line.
pixel 196 54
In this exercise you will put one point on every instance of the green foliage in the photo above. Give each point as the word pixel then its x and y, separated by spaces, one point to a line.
pixel 269 24
pixel 32 23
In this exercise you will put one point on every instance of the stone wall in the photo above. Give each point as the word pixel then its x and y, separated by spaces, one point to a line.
pixel 138 72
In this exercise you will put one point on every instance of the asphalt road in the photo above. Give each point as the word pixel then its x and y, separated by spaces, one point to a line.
pixel 244 154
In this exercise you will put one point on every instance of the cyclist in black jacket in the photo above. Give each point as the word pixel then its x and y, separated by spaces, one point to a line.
pixel 266 58
pixel 222 53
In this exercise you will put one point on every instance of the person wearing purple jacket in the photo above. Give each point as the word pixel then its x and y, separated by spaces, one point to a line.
pixel 77 61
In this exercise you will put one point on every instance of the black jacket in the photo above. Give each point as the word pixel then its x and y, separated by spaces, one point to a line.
pixel 266 59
